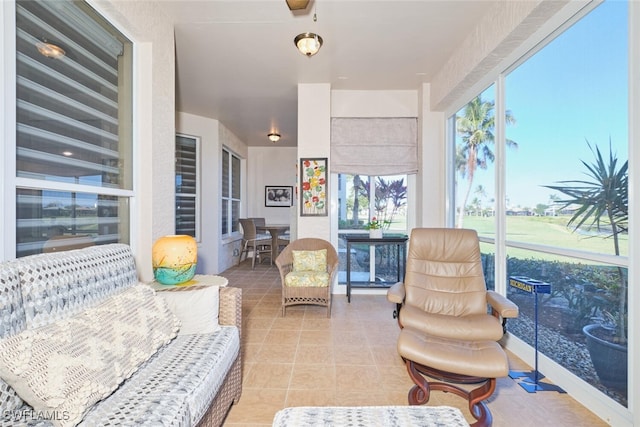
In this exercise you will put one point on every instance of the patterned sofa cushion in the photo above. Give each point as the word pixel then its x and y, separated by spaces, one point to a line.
pixel 181 395
pixel 59 285
pixel 65 367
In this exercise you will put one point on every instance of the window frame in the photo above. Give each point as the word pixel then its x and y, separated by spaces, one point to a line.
pixel 196 194
pixel 12 183
pixel 606 408
pixel 229 154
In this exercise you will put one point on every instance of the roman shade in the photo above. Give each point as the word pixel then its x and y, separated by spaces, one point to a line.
pixel 374 146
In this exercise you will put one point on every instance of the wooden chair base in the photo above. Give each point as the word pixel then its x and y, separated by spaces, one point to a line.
pixel 420 393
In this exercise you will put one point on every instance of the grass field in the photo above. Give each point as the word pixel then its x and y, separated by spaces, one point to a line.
pixel 550 231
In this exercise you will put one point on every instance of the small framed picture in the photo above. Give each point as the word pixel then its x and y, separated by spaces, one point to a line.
pixel 314 177
pixel 278 195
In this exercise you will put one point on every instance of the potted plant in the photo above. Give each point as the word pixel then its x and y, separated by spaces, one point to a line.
pixel 602 201
pixel 375 228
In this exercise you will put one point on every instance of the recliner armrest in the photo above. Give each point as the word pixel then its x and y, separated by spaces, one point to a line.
pixel 396 293
pixel 501 305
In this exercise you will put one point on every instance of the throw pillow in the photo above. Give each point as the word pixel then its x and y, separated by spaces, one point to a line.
pixel 64 368
pixel 310 260
pixel 196 306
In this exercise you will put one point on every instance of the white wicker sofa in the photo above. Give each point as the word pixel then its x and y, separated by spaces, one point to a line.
pixel 191 379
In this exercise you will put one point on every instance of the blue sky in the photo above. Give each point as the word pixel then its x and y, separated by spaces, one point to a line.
pixel 573 90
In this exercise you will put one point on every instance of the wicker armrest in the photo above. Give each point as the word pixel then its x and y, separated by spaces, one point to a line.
pixel 230 312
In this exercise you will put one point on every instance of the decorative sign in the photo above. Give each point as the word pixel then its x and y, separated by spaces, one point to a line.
pixel 529 285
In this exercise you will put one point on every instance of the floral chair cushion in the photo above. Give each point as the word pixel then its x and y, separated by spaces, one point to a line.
pixel 310 260
pixel 300 279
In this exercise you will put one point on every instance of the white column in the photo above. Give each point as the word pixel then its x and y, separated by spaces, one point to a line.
pixel 314 135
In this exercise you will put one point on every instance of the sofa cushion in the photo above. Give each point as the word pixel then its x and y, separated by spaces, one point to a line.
pixel 310 260
pixel 58 285
pixel 175 387
pixel 196 306
pixel 69 365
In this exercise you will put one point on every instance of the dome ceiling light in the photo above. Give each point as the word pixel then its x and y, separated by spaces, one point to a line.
pixel 274 137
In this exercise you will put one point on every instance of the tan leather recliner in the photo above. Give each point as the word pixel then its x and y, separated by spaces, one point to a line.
pixel 450 322
pixel 444 292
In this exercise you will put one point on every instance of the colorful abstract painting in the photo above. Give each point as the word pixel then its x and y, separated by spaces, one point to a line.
pixel 313 187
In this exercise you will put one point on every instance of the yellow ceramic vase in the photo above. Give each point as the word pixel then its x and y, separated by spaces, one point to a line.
pixel 174 259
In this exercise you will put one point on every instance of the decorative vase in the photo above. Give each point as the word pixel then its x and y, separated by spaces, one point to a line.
pixel 174 259
pixel 375 233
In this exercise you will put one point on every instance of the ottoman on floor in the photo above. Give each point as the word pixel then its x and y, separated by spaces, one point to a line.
pixel 369 416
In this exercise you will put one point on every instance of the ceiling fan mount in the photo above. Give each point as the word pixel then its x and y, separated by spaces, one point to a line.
pixel 297 4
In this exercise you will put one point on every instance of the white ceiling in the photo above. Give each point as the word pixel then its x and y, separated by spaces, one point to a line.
pixel 237 63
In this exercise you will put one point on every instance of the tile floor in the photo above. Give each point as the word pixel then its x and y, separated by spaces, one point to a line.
pixel 306 359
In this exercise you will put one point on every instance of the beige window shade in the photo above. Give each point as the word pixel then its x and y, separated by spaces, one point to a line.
pixel 374 146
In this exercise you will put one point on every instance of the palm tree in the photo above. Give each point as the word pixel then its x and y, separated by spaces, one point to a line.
pixel 603 201
pixel 475 126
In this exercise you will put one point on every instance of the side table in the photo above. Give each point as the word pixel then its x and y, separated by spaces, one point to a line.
pixel 196 302
pixel 399 242
pixel 199 281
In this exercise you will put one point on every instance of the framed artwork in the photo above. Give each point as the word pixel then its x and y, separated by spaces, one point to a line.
pixel 314 177
pixel 278 195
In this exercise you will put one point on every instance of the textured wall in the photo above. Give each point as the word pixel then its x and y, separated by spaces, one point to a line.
pixel 498 34
pixel 154 121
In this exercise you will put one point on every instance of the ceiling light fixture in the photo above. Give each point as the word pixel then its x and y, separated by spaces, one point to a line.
pixel 50 50
pixel 308 43
pixel 274 137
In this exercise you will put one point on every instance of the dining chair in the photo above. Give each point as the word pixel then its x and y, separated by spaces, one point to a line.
pixel 259 222
pixel 258 243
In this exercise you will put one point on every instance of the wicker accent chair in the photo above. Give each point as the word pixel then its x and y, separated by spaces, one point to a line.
pixel 314 295
pixel 448 333
pixel 259 244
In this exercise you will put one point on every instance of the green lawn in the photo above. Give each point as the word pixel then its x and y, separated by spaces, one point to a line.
pixel 551 231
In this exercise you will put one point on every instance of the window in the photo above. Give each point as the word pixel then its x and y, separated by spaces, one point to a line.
pixel 565 199
pixel 187 186
pixel 73 131
pixel 355 208
pixel 230 193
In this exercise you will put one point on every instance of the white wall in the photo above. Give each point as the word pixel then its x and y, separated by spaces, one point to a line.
pixel 270 166
pixel 314 132
pixel 214 253
pixel 207 130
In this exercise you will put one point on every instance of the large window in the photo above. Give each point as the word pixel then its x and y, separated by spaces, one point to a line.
pixel 230 193
pixel 187 186
pixel 73 131
pixel 564 210
pixel 356 207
